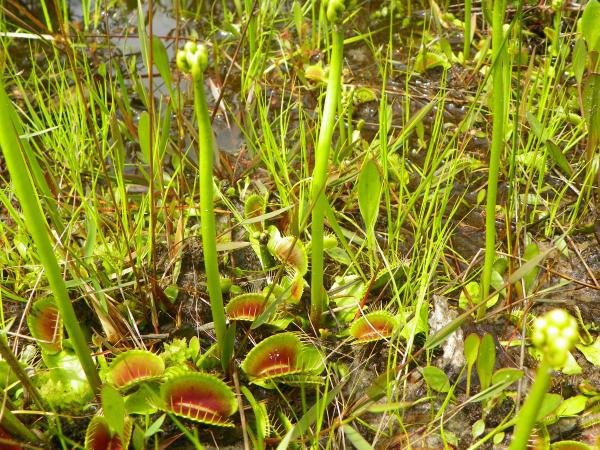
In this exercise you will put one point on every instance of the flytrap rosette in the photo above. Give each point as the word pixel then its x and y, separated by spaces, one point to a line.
pixel 200 397
pixel 292 288
pixel 45 325
pixel 288 250
pixel 99 436
pixel 282 357
pixel 252 307
pixel 134 366
pixel 373 326
pixel 254 207
pixel 246 307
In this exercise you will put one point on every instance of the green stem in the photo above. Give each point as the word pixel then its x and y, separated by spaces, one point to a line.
pixel 38 227
pixel 529 411
pixel 469 373
pixel 249 4
pixel 499 116
pixel 334 88
pixel 15 427
pixel 467 41
pixel 207 214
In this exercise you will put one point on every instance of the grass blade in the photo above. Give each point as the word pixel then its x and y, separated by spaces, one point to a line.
pixel 359 442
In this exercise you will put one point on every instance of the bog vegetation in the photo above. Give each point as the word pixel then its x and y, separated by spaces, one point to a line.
pixel 299 224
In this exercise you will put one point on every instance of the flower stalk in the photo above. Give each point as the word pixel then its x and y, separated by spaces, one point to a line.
pixel 334 10
pixel 554 335
pixel 194 59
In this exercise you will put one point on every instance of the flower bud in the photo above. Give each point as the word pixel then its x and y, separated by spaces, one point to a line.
pixel 570 333
pixel 334 9
pixel 182 61
pixel 190 47
pixel 558 317
pixel 193 58
pixel 552 332
pixel 199 62
pixel 538 338
pixel 554 335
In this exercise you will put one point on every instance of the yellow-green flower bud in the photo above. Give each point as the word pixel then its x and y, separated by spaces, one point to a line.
pixel 554 335
pixel 193 58
pixel 570 333
pixel 182 61
pixel 561 344
pixel 537 337
pixel 334 9
pixel 558 317
pixel 190 47
pixel 199 61
pixel 552 332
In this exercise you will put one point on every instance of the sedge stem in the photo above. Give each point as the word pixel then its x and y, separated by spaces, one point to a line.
pixel 467 36
pixel 499 117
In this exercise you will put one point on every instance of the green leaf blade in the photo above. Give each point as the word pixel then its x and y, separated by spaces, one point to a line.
pixel 436 379
pixel 486 360
pixel 114 408
pixel 369 194
pixel 589 25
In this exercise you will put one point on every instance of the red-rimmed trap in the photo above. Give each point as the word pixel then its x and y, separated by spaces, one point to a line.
pixel 200 397
pixel 374 326
pixel 45 325
pixel 134 366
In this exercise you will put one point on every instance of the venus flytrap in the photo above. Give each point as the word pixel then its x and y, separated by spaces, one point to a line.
pixel 200 397
pixel 194 59
pixel 100 435
pixel 334 10
pixel 554 335
pixel 285 358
